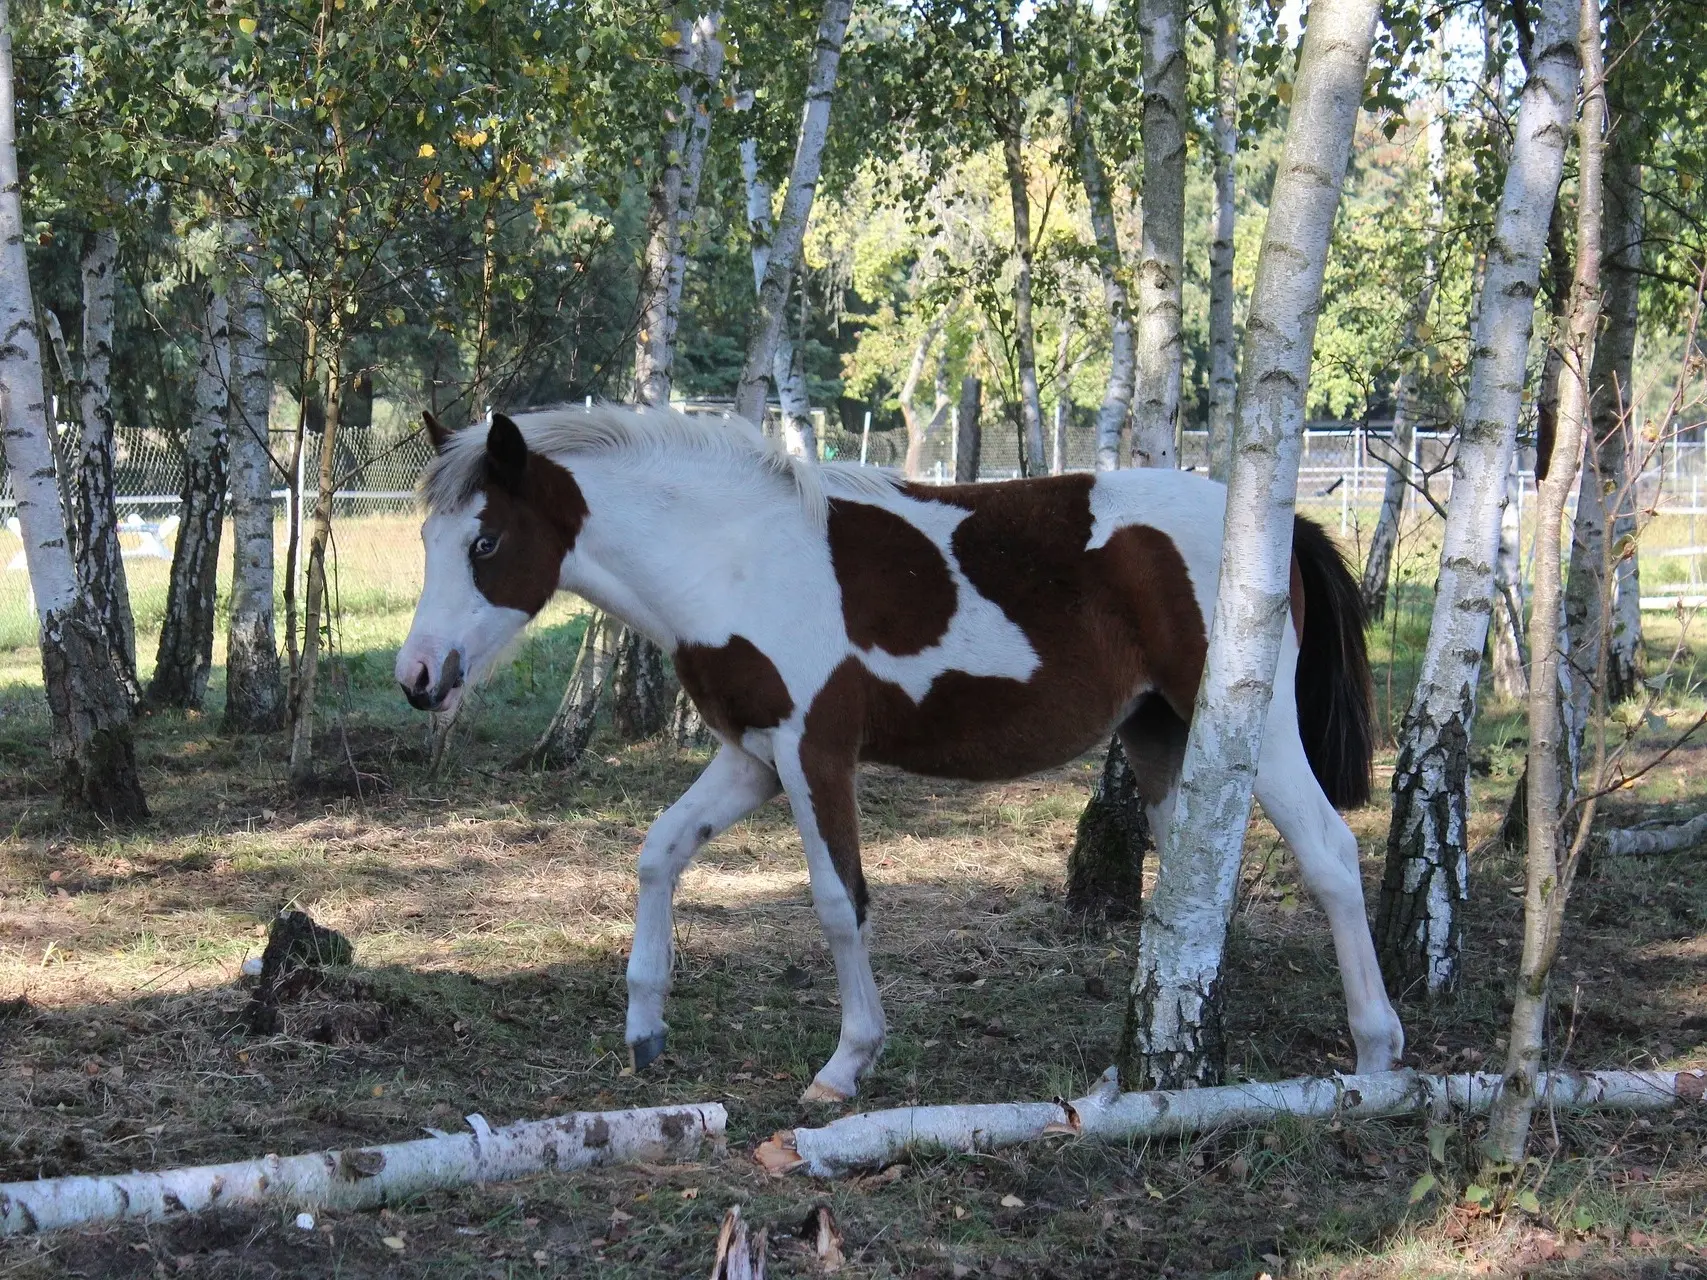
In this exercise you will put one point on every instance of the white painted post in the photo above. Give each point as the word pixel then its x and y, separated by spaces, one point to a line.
pixel 953 441
pixel 864 437
pixel 1357 468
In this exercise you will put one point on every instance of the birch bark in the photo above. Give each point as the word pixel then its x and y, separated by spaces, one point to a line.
pixel 254 693
pixel 1033 460
pixel 1427 869
pixel 1552 851
pixel 185 656
pixel 91 714
pixel 1176 1031
pixel 698 59
pixel 1161 258
pixel 305 686
pixel 1223 339
pixel 762 353
pixel 1122 360
pixel 100 567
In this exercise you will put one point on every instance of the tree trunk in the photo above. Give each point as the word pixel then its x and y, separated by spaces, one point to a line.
pixel 698 60
pixel 1427 871
pixel 1614 358
pixel 1551 855
pixel 796 209
pixel 90 710
pixel 969 432
pixel 1511 659
pixel 571 728
pixel 1175 1024
pixel 1223 364
pixel 185 655
pixel 1105 871
pixel 640 688
pixel 1122 362
pixel 1378 565
pixel 100 565
pixel 1161 260
pixel 306 682
pixel 254 693
pixel 873 1139
pixel 1032 460
pixel 920 429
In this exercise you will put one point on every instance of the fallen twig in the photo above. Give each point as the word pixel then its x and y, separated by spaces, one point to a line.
pixel 362 1177
pixel 1670 837
pixel 879 1137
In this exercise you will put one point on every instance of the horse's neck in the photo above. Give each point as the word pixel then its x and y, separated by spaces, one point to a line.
pixel 667 543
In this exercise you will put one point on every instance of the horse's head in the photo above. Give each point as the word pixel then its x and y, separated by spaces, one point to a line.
pixel 500 520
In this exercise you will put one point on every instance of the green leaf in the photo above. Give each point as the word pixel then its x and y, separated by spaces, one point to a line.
pixel 1479 1196
pixel 1437 1136
pixel 1528 1201
pixel 1421 1187
pixel 247 26
pixel 1583 1220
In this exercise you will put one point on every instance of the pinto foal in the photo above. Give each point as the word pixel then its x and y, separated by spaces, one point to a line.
pixel 821 615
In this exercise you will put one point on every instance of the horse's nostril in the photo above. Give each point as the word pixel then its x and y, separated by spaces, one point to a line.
pixel 421 680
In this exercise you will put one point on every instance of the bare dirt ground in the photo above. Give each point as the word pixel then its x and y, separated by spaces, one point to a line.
pixel 491 910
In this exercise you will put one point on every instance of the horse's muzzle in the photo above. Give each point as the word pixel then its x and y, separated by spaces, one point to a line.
pixel 425 697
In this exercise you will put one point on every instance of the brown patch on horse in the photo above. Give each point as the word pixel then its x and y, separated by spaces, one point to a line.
pixel 534 519
pixel 735 687
pixel 1108 625
pixel 897 592
pixel 829 756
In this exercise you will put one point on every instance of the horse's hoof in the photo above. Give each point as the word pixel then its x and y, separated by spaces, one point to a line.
pixel 819 1092
pixel 643 1053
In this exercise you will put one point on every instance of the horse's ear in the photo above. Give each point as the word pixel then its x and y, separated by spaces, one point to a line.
pixel 435 431
pixel 506 453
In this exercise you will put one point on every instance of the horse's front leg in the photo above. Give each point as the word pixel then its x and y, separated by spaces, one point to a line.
pixel 732 786
pixel 820 786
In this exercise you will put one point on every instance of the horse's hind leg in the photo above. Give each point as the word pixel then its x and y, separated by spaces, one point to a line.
pixel 732 786
pixel 820 785
pixel 1327 856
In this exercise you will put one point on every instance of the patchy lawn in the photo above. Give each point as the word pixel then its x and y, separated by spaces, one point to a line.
pixel 491 910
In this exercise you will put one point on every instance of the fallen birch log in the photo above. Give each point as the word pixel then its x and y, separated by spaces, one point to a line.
pixel 880 1137
pixel 1672 837
pixel 363 1177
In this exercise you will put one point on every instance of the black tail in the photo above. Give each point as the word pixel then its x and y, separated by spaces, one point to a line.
pixel 1336 700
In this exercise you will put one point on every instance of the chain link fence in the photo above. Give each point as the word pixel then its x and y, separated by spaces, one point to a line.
pixel 378 566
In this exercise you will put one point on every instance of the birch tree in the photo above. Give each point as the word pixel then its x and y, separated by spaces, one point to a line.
pixel 1011 126
pixel 1552 854
pixel 254 694
pixel 1427 866
pixel 1223 338
pixel 1122 360
pixel 640 687
pixel 783 257
pixel 185 656
pixel 1175 995
pixel 91 714
pixel 674 194
pixel 1161 255
pixel 100 566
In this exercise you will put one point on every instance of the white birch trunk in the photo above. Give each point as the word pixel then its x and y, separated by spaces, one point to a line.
pixel 306 682
pixel 1427 868
pixel 1033 461
pixel 1122 360
pixel 799 436
pixel 254 692
pixel 1223 361
pixel 1175 989
pixel 571 728
pixel 1511 662
pixel 1105 1114
pixel 91 734
pixel 698 59
pixel 101 566
pixel 1161 257
pixel 761 359
pixel 1551 855
pixel 185 656
pixel 363 1177
pixel 1664 837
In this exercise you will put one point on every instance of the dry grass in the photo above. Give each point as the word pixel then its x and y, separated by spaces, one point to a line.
pixel 490 913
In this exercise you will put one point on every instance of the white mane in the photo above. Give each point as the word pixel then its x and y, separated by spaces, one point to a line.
pixel 455 474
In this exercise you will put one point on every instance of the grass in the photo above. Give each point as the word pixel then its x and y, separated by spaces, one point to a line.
pixel 491 910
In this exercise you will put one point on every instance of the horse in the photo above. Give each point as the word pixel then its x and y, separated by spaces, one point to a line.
pixel 824 614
